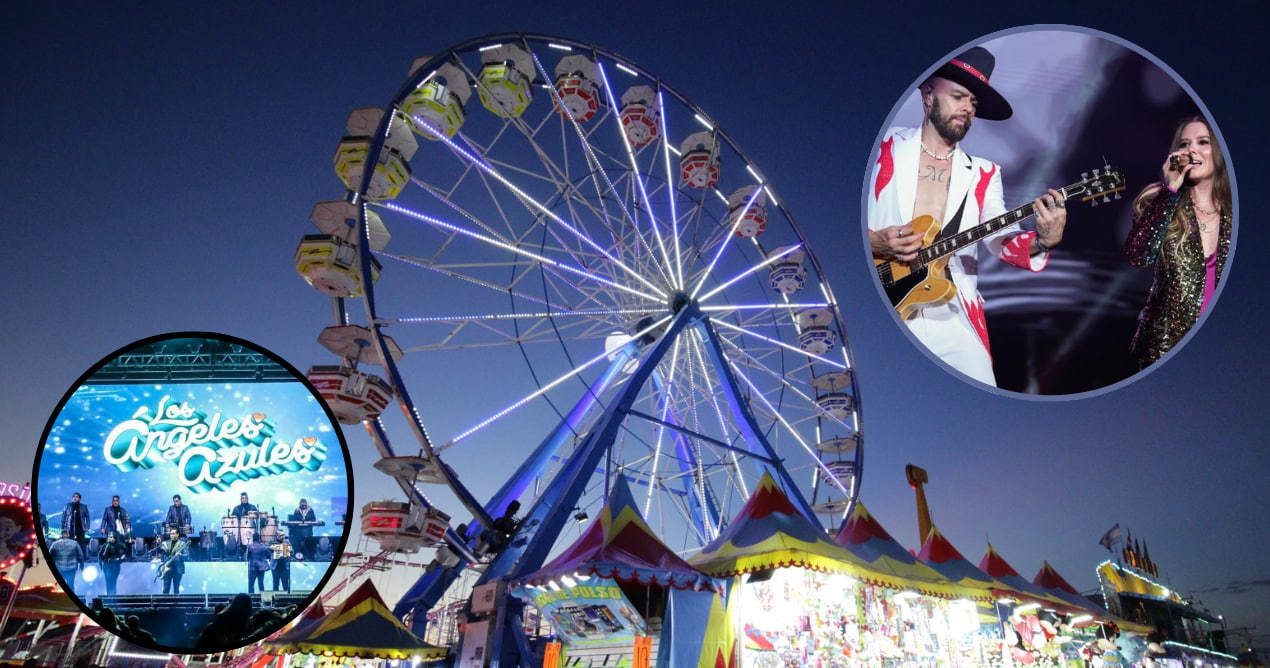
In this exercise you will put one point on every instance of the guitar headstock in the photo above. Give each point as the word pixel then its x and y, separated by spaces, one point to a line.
pixel 1104 183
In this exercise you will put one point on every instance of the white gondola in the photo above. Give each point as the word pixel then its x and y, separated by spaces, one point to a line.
pixel 788 275
pixel 829 396
pixel 814 332
pixel 354 396
pixel 401 527
pixel 577 87
pixel 639 115
pixel 331 265
pixel 438 102
pixel 843 446
pixel 699 160
pixel 504 82
pixel 356 343
pixel 392 171
pixel 749 221
pixel 339 218
pixel 412 468
pixel 364 122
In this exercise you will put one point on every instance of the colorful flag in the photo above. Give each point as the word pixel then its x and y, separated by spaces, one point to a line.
pixel 1113 535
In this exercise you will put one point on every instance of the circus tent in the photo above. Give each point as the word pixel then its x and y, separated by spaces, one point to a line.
pixel 362 627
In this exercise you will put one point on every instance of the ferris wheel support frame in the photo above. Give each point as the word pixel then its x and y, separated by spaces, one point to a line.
pixel 545 519
pixel 431 586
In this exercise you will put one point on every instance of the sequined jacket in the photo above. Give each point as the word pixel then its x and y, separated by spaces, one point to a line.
pixel 1177 292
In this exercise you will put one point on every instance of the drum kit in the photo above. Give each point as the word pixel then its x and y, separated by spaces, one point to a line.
pixel 240 530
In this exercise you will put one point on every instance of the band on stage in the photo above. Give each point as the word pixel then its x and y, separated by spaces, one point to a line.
pixel 246 533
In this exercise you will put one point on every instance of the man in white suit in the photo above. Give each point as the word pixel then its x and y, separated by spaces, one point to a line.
pixel 922 171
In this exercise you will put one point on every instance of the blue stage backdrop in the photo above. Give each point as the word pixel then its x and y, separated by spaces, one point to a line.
pixel 208 442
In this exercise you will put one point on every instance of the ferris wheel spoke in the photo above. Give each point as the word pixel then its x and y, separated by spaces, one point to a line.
pixel 722 246
pixel 670 188
pixel 709 390
pixel 788 427
pixel 545 388
pixel 636 178
pixel 778 342
pixel 436 222
pixel 532 203
pixel 770 260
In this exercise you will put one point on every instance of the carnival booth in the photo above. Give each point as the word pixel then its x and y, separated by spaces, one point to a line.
pixel 942 613
pixel 362 627
pixel 798 598
pixel 616 588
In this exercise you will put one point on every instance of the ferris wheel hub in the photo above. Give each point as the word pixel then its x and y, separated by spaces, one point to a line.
pixel 678 301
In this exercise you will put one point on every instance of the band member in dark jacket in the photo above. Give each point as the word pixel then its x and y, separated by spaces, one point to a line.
pixel 115 520
pixel 75 521
pixel 178 515
pixel 68 556
pixel 173 553
pixel 257 563
pixel 302 535
pixel 112 554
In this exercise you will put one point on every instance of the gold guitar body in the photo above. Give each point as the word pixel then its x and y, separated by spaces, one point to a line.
pixel 913 288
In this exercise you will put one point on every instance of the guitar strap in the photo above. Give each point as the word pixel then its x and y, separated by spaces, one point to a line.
pixel 955 222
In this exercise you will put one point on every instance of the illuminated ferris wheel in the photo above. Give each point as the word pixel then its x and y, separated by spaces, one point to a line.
pixel 555 220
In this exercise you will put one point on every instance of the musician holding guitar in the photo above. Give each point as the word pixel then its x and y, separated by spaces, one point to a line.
pixel 926 190
pixel 258 562
pixel 172 553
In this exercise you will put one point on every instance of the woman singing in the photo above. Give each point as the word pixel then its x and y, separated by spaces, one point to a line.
pixel 1182 226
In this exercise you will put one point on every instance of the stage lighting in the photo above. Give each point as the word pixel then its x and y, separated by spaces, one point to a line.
pixel 90 573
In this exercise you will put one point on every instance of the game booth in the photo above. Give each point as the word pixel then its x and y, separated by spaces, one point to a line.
pixel 618 591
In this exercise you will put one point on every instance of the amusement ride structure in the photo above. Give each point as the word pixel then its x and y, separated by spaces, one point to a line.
pixel 629 287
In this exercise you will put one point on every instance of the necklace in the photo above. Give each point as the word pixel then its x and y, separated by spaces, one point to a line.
pixel 945 156
pixel 1201 211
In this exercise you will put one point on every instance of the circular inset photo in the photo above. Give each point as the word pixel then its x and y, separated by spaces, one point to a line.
pixel 1050 211
pixel 193 491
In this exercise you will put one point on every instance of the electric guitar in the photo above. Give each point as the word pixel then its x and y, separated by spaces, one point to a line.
pixel 162 570
pixel 921 282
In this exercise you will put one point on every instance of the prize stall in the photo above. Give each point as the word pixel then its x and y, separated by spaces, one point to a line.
pixel 619 594
pixel 798 598
pixel 931 618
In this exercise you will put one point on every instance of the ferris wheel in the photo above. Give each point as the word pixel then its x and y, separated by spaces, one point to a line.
pixel 625 285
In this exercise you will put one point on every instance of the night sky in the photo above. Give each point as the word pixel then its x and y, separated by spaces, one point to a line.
pixel 162 163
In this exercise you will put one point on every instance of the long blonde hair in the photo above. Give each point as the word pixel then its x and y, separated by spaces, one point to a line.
pixel 1221 187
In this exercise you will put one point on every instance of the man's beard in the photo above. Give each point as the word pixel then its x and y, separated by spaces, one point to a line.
pixel 944 126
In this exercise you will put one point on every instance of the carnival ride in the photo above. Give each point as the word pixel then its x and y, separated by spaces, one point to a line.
pixel 667 317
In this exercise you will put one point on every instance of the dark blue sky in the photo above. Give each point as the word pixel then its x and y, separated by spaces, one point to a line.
pixel 162 161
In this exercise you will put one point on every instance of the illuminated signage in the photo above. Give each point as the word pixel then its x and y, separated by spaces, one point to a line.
pixel 209 452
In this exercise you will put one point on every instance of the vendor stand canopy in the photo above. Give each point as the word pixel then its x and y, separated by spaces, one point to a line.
pixel 995 565
pixel 1052 583
pixel 768 533
pixel 304 624
pixel 619 544
pixel 940 554
pixel 887 562
pixel 362 627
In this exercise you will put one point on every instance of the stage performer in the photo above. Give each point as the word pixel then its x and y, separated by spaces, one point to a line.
pixel 173 553
pixel 243 507
pixel 301 532
pixel 178 516
pixel 115 520
pixel 923 171
pixel 68 557
pixel 75 521
pixel 257 563
pixel 1181 228
pixel 112 555
pixel 281 552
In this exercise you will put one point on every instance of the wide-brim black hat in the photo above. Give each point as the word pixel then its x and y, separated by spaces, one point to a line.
pixel 972 69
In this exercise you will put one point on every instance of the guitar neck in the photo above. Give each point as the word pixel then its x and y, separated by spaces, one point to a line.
pixel 950 245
